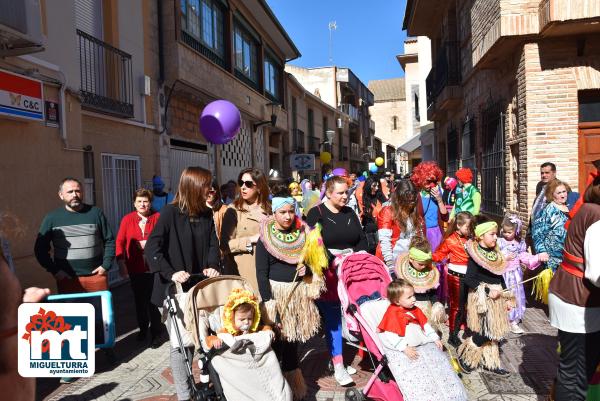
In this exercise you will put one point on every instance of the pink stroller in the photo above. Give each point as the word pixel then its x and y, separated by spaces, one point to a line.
pixel 363 278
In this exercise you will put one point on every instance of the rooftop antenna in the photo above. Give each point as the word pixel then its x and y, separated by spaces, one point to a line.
pixel 332 27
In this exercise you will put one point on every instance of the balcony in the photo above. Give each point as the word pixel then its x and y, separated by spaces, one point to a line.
pixel 298 141
pixel 563 17
pixel 350 110
pixel 106 77
pixel 313 145
pixel 444 91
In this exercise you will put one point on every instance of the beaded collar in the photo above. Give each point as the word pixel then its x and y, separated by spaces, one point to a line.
pixel 285 246
pixel 423 280
pixel 491 260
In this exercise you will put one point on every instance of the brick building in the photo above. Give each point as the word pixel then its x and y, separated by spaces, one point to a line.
pixel 215 49
pixel 513 84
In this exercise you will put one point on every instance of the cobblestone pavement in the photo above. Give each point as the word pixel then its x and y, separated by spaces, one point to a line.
pixel 144 374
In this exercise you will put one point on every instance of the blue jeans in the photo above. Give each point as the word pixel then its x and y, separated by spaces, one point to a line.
pixel 332 314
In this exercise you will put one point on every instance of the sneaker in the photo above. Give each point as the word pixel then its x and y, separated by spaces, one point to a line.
pixel 350 370
pixel 341 375
pixel 498 371
pixel 515 329
pixel 67 380
pixel 465 368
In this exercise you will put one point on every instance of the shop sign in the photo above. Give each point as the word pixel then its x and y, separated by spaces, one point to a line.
pixel 21 96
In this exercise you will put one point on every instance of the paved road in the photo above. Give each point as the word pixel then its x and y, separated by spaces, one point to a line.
pixel 143 373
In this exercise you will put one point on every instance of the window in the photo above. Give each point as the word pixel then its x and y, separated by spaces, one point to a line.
pixel 246 57
pixel 417 114
pixel 272 77
pixel 395 123
pixel 311 122
pixel 204 21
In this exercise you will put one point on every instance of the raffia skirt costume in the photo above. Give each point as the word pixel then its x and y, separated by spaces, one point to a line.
pixel 486 317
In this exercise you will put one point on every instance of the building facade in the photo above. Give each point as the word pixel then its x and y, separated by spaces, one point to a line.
pixel 389 115
pixel 340 88
pixel 82 105
pixel 513 84
pixel 309 120
pixel 232 50
pixel 419 139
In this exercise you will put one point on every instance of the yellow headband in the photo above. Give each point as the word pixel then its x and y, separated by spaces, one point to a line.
pixel 418 255
pixel 237 297
pixel 483 228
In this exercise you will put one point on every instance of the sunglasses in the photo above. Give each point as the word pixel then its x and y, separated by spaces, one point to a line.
pixel 248 184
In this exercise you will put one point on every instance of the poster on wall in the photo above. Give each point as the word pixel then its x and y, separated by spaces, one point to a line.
pixel 51 113
pixel 21 96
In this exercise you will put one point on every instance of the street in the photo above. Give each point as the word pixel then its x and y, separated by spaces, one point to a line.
pixel 144 374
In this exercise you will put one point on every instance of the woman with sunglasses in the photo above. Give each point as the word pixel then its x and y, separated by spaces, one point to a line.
pixel 241 223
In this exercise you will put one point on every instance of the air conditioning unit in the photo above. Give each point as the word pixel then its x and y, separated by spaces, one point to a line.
pixel 20 27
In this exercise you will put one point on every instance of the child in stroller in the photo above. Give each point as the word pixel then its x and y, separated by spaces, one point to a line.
pixel 414 350
pixel 223 316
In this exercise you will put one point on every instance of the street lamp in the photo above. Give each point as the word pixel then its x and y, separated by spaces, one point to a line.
pixel 272 121
pixel 330 134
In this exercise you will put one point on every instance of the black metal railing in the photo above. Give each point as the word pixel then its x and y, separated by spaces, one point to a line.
pixel 313 144
pixel 444 72
pixel 493 169
pixel 298 140
pixel 200 48
pixel 106 76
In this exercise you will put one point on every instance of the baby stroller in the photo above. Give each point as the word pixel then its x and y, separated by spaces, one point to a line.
pixel 363 281
pixel 363 277
pixel 202 313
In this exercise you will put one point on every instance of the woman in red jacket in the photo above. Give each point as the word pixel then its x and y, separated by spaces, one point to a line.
pixel 134 230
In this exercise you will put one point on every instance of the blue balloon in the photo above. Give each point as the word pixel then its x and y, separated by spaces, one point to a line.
pixel 373 169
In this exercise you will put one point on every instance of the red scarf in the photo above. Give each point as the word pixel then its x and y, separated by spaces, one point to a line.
pixel 396 318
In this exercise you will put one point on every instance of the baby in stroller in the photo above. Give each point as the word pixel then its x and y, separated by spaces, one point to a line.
pixel 241 316
pixel 414 350
pixel 224 317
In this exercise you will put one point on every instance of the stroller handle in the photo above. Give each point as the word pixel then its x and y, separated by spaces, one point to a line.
pixel 196 276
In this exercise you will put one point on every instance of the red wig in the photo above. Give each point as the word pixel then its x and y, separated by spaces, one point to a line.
pixel 465 175
pixel 426 175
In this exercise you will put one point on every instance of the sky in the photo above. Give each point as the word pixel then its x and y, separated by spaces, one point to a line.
pixel 368 37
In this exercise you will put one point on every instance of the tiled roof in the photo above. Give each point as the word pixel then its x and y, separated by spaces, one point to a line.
pixel 387 89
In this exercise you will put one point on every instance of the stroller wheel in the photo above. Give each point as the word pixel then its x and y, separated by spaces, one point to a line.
pixel 354 394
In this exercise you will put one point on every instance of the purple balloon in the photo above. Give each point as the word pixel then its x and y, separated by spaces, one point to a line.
pixel 220 122
pixel 340 171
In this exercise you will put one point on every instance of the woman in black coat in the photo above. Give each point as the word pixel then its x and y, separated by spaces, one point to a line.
pixel 183 242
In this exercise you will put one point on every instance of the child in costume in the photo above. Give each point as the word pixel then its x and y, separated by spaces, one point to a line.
pixel 468 197
pixel 453 248
pixel 414 349
pixel 514 250
pixel 487 303
pixel 241 315
pixel 416 268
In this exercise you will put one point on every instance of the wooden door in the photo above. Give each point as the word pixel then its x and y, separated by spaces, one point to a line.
pixel 589 150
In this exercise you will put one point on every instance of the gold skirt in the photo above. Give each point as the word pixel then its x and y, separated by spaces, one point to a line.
pixel 487 316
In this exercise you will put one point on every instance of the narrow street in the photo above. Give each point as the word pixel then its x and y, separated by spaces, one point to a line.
pixel 144 374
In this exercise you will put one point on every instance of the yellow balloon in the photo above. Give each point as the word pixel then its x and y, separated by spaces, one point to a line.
pixel 379 161
pixel 325 157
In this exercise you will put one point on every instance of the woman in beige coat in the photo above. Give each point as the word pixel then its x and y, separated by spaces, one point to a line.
pixel 240 227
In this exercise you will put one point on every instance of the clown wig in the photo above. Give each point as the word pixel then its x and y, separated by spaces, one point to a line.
pixel 425 172
pixel 465 175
